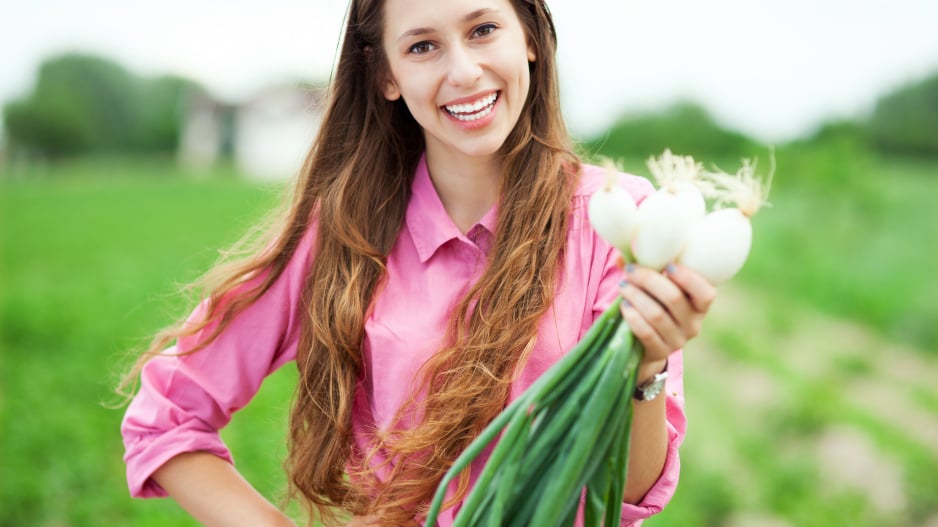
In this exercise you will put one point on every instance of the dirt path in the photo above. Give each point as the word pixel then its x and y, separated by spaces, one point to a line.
pixel 764 359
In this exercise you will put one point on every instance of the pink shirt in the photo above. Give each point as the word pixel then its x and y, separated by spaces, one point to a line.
pixel 184 401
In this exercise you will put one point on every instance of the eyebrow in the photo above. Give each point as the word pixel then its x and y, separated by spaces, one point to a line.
pixel 419 31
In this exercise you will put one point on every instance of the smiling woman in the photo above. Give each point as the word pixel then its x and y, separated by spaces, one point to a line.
pixel 436 259
pixel 464 79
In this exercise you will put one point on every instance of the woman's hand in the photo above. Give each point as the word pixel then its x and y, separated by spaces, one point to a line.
pixel 665 310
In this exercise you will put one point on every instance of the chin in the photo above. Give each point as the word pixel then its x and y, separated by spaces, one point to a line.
pixel 482 150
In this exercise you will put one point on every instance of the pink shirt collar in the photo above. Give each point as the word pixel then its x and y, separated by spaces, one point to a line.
pixel 431 226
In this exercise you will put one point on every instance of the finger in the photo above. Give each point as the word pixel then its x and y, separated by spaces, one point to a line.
pixel 665 291
pixel 655 348
pixel 659 319
pixel 699 291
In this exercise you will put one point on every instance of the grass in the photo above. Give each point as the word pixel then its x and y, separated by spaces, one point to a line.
pixel 92 253
pixel 860 243
pixel 90 263
pixel 778 436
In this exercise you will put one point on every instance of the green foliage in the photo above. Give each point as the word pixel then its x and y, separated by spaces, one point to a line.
pixel 853 233
pixel 771 393
pixel 903 123
pixel 685 128
pixel 91 257
pixel 83 104
pixel 906 120
pixel 839 134
pixel 90 253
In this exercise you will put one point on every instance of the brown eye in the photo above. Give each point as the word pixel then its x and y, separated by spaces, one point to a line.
pixel 483 30
pixel 420 48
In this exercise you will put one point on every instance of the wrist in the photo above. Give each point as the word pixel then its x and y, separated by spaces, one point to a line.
pixel 648 369
pixel 653 384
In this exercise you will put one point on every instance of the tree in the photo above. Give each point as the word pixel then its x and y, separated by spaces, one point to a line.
pixel 685 128
pixel 88 104
pixel 906 120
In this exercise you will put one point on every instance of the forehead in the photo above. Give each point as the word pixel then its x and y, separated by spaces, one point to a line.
pixel 401 16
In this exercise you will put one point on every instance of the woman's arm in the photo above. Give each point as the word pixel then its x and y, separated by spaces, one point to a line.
pixel 664 311
pixel 649 440
pixel 214 493
pixel 186 397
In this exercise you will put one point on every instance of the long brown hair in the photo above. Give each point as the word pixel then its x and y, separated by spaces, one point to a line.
pixel 367 142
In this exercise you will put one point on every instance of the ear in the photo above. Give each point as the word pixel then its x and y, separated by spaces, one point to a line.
pixel 532 52
pixel 391 91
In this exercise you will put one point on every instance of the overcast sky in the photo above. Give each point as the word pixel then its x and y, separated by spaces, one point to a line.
pixel 772 68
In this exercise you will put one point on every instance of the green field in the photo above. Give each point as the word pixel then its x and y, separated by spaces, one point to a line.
pixel 811 394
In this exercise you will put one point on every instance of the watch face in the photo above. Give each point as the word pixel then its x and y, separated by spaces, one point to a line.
pixel 652 388
pixel 652 391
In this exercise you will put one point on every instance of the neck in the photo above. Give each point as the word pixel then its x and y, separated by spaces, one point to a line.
pixel 467 186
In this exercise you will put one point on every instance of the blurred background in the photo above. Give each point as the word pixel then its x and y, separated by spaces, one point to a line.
pixel 139 139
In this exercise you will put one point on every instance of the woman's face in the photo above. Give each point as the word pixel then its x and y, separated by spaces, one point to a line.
pixel 462 68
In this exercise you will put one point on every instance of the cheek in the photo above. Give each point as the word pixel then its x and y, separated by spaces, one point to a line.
pixel 516 65
pixel 416 89
pixel 420 103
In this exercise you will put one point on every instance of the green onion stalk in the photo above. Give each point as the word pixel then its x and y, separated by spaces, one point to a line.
pixel 565 437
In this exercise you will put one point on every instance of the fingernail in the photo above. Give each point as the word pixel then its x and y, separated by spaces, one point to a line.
pixel 670 269
pixel 622 283
pixel 630 268
pixel 626 304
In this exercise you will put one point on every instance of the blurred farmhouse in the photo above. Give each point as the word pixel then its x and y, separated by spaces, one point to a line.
pixel 266 136
pixel 90 106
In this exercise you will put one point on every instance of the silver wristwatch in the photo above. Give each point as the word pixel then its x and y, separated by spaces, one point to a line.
pixel 650 389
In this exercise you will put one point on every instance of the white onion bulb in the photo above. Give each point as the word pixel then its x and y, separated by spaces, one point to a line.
pixel 612 213
pixel 718 245
pixel 664 222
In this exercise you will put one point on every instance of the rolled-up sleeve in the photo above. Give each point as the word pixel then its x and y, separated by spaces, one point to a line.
pixel 186 398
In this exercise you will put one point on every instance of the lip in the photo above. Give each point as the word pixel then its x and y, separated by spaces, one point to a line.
pixel 469 99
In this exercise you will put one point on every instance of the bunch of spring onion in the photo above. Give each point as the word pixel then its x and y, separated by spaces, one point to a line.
pixel 566 437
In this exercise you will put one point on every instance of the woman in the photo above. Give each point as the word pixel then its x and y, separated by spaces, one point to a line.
pixel 435 260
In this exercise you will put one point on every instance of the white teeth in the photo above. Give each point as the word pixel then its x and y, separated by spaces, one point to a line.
pixel 474 116
pixel 471 112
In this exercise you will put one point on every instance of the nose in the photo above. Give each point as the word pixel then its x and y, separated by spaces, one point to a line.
pixel 464 67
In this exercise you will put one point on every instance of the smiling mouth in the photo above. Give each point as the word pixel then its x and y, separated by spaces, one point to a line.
pixel 473 111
